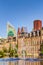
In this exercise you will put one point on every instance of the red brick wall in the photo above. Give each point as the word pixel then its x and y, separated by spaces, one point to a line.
pixel 37 24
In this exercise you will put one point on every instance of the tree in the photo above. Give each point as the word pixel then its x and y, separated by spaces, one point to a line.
pixel 16 50
pixel 41 48
pixel 2 54
pixel 5 49
pixel 11 53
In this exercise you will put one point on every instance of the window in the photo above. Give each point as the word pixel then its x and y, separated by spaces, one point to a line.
pixel 14 38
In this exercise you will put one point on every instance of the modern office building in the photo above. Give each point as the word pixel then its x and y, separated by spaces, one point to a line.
pixel 11 32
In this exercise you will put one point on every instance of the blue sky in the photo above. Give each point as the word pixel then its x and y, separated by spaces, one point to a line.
pixel 19 13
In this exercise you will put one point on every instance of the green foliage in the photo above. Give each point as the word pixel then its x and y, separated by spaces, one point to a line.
pixel 2 54
pixel 41 48
pixel 17 46
pixel 9 48
pixel 5 49
pixel 16 55
pixel 16 50
pixel 11 53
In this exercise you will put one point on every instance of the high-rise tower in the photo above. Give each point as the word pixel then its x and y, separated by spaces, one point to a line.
pixel 11 32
